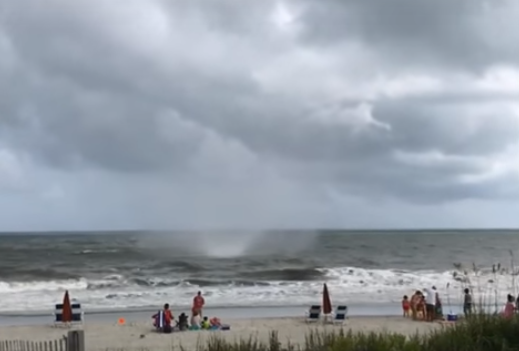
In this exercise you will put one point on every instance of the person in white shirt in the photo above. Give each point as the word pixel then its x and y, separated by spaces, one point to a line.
pixel 430 303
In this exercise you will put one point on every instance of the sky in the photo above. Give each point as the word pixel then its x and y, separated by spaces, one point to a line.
pixel 202 114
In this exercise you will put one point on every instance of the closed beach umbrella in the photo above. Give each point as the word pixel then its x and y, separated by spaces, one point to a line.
pixel 327 303
pixel 67 308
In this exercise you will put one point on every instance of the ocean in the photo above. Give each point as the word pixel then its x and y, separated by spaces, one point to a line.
pixel 140 270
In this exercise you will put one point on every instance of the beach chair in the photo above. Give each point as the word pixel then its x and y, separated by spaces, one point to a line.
pixel 313 314
pixel 340 315
pixel 78 316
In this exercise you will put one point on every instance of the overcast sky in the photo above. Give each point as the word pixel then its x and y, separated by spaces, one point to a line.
pixel 259 114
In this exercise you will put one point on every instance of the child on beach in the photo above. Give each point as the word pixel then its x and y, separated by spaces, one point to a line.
pixel 406 306
pixel 421 308
pixel 205 323
pixel 509 307
pixel 215 322
pixel 195 321
pixel 182 323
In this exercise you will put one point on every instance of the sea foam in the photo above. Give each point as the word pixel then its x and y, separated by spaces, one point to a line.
pixel 348 285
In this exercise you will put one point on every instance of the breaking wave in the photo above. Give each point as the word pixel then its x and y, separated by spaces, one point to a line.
pixel 264 287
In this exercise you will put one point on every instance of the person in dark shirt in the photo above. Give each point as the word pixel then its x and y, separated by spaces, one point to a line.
pixel 182 322
pixel 467 302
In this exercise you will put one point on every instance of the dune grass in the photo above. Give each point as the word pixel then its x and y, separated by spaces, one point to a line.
pixel 478 333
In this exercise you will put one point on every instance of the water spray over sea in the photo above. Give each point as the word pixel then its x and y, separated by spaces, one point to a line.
pixel 229 244
pixel 107 271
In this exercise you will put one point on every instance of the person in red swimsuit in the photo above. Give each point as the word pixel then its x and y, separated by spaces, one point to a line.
pixel 406 306
pixel 198 304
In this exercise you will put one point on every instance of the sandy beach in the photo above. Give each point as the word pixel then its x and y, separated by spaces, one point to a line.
pixel 140 335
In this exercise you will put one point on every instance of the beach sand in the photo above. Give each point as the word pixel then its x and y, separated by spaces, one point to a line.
pixel 140 335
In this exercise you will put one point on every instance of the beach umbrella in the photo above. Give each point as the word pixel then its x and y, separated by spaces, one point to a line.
pixel 67 309
pixel 327 303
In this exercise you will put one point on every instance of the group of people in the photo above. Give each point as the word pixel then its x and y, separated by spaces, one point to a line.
pixel 196 321
pixel 426 307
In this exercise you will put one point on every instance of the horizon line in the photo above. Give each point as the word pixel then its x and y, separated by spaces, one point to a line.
pixel 122 231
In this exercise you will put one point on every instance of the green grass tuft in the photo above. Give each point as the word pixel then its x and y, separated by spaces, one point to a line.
pixel 478 333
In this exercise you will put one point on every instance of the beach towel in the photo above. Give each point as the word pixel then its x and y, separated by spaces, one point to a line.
pixel 161 323
pixel 214 327
pixel 159 320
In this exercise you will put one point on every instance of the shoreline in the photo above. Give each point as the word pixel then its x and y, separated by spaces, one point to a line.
pixel 364 308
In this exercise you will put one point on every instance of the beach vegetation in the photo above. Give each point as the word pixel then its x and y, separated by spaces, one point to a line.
pixel 480 332
pixel 486 283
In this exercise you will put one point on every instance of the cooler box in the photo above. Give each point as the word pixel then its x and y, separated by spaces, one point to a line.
pixel 452 317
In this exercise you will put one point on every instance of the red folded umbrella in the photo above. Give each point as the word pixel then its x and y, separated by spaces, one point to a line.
pixel 67 309
pixel 327 303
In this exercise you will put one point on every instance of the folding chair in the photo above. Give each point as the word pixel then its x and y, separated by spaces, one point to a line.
pixel 313 314
pixel 340 315
pixel 78 316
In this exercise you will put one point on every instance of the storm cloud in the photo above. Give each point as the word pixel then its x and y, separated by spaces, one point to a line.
pixel 249 114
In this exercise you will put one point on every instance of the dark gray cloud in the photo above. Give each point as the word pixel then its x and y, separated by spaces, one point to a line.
pixel 408 101
pixel 464 34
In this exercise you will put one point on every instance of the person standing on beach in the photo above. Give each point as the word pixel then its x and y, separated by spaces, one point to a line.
pixel 415 300
pixel 438 308
pixel 467 302
pixel 430 303
pixel 406 306
pixel 198 304
pixel 509 307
